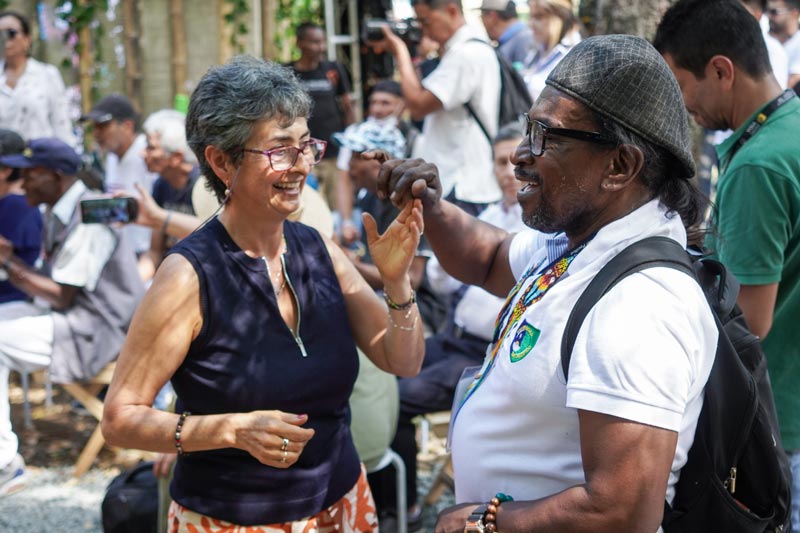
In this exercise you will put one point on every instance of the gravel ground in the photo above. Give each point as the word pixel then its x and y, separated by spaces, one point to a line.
pixel 55 502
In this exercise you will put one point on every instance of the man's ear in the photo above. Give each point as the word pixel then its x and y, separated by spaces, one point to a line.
pixel 220 163
pixel 624 166
pixel 721 68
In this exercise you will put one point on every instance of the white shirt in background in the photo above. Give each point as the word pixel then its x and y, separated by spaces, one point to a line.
pixel 453 141
pixel 37 106
pixel 121 174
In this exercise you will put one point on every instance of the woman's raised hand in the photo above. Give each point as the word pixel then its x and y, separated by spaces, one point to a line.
pixel 274 438
pixel 394 251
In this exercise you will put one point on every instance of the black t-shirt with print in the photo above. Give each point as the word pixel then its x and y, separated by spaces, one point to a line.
pixel 325 84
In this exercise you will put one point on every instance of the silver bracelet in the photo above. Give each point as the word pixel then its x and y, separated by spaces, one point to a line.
pixel 412 327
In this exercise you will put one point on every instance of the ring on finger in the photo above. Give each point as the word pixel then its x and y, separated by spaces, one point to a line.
pixel 285 444
pixel 285 453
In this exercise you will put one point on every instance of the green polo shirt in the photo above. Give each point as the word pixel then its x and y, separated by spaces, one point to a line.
pixel 756 234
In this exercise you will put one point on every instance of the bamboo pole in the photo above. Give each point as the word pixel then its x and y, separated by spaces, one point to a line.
pixel 225 51
pixel 269 28
pixel 178 24
pixel 130 41
pixel 85 65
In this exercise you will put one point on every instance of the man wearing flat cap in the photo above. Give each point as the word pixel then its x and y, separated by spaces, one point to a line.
pixel 514 38
pixel 605 163
pixel 81 299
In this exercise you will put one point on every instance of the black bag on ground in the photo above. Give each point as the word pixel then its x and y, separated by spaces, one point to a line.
pixel 737 477
pixel 515 98
pixel 131 502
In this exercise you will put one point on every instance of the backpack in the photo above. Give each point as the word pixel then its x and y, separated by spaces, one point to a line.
pixel 515 98
pixel 737 477
pixel 131 502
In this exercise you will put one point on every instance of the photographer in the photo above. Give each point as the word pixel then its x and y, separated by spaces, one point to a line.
pixel 84 293
pixel 467 73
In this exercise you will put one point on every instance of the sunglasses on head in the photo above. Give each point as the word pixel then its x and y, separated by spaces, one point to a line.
pixel 10 33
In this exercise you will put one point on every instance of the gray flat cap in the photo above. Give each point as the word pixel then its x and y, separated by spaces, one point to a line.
pixel 624 78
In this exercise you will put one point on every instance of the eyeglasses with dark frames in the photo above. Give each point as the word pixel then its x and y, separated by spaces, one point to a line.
pixel 285 157
pixel 536 132
pixel 9 33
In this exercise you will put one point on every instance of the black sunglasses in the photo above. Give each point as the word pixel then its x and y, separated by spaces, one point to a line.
pixel 536 132
pixel 10 33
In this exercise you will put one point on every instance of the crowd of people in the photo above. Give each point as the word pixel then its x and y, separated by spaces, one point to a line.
pixel 302 333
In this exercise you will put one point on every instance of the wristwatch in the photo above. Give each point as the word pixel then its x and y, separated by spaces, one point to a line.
pixel 475 521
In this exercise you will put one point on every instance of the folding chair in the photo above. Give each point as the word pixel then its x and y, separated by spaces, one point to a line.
pixel 85 392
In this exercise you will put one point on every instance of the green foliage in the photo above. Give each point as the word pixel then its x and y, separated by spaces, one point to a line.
pixel 235 17
pixel 291 13
pixel 3 4
pixel 80 16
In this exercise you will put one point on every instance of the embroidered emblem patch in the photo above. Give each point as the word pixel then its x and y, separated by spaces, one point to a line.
pixel 524 341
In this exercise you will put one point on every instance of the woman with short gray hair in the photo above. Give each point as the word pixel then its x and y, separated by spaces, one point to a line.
pixel 256 319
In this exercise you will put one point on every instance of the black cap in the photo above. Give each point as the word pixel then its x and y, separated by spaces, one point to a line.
pixel 112 107
pixel 10 142
pixel 387 86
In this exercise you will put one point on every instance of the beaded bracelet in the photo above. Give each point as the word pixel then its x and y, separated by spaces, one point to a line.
pixel 490 516
pixel 178 444
pixel 400 307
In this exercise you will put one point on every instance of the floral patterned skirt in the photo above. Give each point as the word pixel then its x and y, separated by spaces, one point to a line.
pixel 353 513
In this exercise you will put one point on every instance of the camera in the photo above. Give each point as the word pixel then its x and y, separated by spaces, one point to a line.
pixel 109 210
pixel 407 29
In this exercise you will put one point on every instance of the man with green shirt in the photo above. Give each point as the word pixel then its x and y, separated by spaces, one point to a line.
pixel 716 51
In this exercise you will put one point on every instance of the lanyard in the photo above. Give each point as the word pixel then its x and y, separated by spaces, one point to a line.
pixel 511 314
pixel 759 121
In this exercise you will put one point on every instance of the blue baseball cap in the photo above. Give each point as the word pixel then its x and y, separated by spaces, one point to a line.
pixel 53 154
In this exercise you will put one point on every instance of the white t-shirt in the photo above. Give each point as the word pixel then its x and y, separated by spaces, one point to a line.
pixel 778 59
pixel 644 353
pixel 792 47
pixel 452 139
pixel 121 174
pixel 87 249
pixel 37 106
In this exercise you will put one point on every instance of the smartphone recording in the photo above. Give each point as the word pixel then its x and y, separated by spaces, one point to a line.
pixel 109 210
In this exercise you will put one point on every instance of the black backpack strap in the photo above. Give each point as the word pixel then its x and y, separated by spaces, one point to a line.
pixel 470 110
pixel 647 253
pixel 480 124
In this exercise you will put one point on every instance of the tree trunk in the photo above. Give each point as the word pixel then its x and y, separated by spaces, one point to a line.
pixel 635 17
pixel 178 28
pixel 130 41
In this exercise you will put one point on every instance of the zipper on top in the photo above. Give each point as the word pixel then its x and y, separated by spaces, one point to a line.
pixel 296 336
